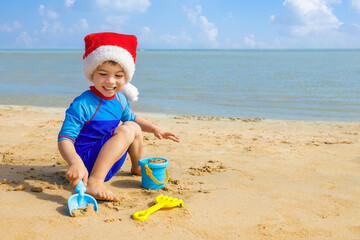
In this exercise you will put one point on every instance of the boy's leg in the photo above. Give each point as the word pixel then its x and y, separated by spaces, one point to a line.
pixel 136 151
pixel 126 136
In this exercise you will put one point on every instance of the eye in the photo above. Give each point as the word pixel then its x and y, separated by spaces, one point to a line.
pixel 119 75
pixel 102 74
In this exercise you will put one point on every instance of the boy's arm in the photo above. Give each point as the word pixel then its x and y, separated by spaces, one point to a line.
pixel 77 170
pixel 147 126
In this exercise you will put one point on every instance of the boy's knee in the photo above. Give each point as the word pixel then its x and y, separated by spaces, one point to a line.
pixel 125 131
pixel 130 129
pixel 135 127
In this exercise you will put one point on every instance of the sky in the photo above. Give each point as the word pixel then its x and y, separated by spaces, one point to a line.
pixel 183 24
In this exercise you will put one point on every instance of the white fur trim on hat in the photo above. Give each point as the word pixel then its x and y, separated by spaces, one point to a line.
pixel 131 92
pixel 106 53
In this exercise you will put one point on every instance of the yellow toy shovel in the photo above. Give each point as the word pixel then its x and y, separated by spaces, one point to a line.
pixel 161 201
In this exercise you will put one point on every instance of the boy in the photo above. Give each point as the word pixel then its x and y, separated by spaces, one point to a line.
pixel 99 127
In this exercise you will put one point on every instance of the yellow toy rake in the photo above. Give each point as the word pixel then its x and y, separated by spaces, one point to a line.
pixel 161 201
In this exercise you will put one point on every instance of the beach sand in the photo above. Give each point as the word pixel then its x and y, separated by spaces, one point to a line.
pixel 238 178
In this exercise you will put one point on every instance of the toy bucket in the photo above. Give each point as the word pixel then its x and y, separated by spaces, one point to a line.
pixel 154 175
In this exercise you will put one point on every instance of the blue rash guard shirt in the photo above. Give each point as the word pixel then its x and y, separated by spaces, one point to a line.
pixel 91 120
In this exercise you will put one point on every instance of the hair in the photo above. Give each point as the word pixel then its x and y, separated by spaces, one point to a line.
pixel 112 62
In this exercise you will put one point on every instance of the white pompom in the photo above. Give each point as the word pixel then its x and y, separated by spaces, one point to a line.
pixel 131 92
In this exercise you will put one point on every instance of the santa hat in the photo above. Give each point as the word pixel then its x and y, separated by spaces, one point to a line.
pixel 107 46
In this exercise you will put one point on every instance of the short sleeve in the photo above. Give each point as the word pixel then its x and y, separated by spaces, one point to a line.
pixel 127 114
pixel 75 118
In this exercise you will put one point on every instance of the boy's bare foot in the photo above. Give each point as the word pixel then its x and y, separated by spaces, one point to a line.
pixel 97 189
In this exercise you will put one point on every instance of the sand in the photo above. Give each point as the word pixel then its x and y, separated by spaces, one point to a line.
pixel 89 210
pixel 238 178
pixel 156 160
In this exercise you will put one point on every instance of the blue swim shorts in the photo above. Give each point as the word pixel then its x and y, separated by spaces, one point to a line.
pixel 89 157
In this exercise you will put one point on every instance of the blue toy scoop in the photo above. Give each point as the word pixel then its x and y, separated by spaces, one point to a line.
pixel 81 200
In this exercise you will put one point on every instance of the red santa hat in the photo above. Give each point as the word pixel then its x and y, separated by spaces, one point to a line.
pixel 107 46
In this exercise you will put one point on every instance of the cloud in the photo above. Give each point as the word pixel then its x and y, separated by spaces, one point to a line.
pixel 272 18
pixel 178 41
pixel 312 24
pixel 117 20
pixel 69 3
pixel 49 20
pixel 208 28
pixel 193 14
pixel 47 13
pixel 10 27
pixel 52 14
pixel 250 41
pixel 79 28
pixel 145 35
pixel 45 26
pixel 148 39
pixel 356 5
pixel 81 25
pixel 230 15
pixel 115 23
pixel 41 10
pixel 125 5
pixel 145 30
pixel 309 16
pixel 24 40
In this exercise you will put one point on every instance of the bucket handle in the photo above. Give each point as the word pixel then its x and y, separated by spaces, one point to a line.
pixel 149 173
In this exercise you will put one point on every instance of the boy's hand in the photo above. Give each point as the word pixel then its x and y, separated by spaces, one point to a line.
pixel 166 135
pixel 76 173
pixel 147 126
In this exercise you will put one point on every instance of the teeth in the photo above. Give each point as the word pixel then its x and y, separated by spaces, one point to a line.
pixel 107 88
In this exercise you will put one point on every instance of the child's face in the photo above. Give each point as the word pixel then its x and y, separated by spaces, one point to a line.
pixel 109 79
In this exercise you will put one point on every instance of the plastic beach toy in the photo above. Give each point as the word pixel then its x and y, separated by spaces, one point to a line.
pixel 81 200
pixel 161 201
pixel 154 175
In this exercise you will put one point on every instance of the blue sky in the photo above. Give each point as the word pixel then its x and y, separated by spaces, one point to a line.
pixel 184 24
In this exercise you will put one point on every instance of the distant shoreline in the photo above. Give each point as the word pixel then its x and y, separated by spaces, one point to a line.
pixel 60 110
pixel 184 49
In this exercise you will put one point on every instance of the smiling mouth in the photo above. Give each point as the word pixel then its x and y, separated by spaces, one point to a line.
pixel 107 88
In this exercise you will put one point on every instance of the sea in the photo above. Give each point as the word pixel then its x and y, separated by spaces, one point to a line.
pixel 269 84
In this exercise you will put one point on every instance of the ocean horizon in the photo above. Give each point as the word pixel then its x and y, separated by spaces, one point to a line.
pixel 299 84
